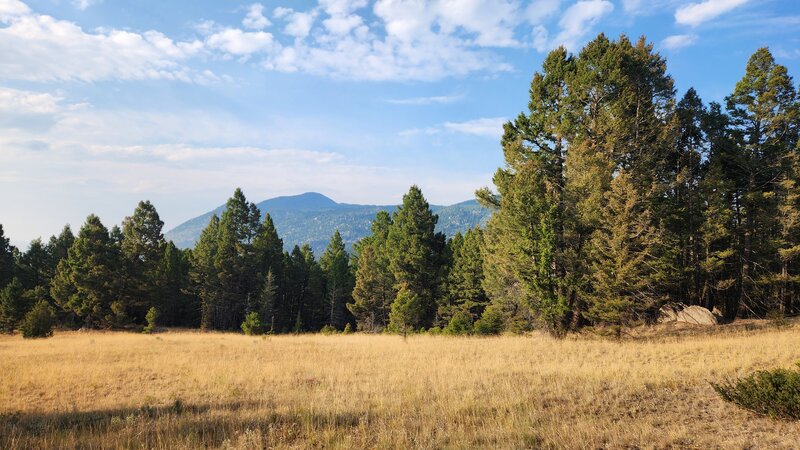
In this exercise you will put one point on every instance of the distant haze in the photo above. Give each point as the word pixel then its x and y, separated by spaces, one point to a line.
pixel 312 218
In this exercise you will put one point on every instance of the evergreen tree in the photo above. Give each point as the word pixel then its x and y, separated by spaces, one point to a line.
pixel 175 305
pixel 225 265
pixel 521 247
pixel 142 249
pixel 465 280
pixel 764 117
pixel 6 259
pixel 334 263
pixel 415 253
pixel 786 281
pixel 86 282
pixel 58 246
pixel 33 267
pixel 13 305
pixel 203 273
pixel 374 291
pixel 682 208
pixel 625 273
pixel 315 307
pixel 267 302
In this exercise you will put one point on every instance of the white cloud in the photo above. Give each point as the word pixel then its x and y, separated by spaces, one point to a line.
pixel 695 14
pixel 12 8
pixel 240 43
pixel 84 4
pixel 579 19
pixel 41 48
pixel 539 10
pixel 87 159
pixel 298 24
pixel 26 102
pixel 402 40
pixel 631 6
pixel 255 19
pixel 436 99
pixel 677 41
pixel 485 127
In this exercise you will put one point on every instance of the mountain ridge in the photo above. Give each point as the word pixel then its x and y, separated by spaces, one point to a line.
pixel 312 218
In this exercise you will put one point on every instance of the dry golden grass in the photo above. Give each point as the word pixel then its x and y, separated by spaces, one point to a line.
pixel 191 390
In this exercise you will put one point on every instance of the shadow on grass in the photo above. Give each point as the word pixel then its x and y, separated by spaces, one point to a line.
pixel 203 424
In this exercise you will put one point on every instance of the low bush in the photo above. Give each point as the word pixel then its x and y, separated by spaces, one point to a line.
pixel 252 324
pixel 774 393
pixel 38 323
pixel 152 319
pixel 491 322
pixel 328 329
pixel 461 323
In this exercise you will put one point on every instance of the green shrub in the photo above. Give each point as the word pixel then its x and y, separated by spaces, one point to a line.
pixel 152 319
pixel 461 323
pixel 434 331
pixel 775 393
pixel 38 323
pixel 491 322
pixel 252 324
pixel 348 329
pixel 328 329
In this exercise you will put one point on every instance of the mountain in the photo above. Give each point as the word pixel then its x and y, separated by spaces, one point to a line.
pixel 312 218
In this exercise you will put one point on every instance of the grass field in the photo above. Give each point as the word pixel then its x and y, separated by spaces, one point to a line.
pixel 191 390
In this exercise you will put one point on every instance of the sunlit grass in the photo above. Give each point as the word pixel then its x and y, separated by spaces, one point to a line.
pixel 189 390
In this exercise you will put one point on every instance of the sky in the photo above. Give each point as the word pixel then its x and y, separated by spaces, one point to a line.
pixel 107 102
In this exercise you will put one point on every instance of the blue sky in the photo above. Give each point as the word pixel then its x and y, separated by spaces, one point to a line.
pixel 106 102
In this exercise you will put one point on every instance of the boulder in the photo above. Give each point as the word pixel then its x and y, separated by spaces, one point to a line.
pixel 669 312
pixel 696 315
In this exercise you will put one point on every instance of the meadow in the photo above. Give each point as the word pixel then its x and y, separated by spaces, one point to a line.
pixel 182 389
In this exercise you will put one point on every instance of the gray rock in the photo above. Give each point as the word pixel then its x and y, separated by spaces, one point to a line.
pixel 697 315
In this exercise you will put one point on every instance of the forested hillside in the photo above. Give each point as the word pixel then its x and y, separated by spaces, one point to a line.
pixel 617 195
pixel 311 218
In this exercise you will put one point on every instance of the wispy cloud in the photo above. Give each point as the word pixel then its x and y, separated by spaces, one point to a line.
pixel 486 127
pixel 695 14
pixel 432 100
pixel 579 19
pixel 677 41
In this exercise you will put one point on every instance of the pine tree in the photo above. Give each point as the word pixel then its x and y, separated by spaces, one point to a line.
pixel 6 259
pixel 13 305
pixel 203 274
pixel 785 282
pixel 682 208
pixel 57 248
pixel 764 116
pixel 33 267
pixel 176 306
pixel 142 249
pixel 316 307
pixel 625 274
pixel 465 280
pixel 267 302
pixel 225 265
pixel 374 291
pixel 86 283
pixel 415 253
pixel 334 263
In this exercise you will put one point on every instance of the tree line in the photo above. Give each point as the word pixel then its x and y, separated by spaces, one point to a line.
pixel 616 196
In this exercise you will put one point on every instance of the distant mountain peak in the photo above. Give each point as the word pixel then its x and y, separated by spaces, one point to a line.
pixel 312 218
pixel 307 201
